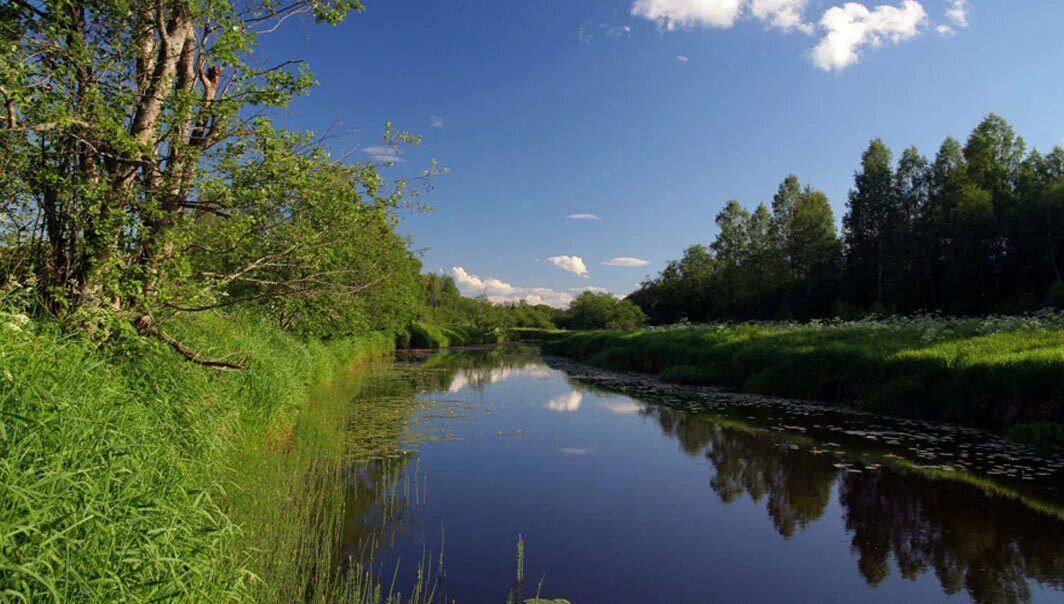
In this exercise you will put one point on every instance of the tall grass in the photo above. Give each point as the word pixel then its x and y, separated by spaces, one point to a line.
pixel 133 475
pixel 994 372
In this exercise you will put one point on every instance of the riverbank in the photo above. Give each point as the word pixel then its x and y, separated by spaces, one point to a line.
pixel 1005 373
pixel 130 474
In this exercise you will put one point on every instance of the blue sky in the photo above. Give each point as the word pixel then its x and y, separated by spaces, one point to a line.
pixel 650 114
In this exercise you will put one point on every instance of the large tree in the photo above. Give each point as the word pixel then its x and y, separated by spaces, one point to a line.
pixel 109 109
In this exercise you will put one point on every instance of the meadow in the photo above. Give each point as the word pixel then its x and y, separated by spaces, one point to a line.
pixel 996 372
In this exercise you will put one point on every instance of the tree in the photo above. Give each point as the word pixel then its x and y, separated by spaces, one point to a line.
pixel 872 213
pixel 911 247
pixel 120 101
pixel 597 311
pixel 730 250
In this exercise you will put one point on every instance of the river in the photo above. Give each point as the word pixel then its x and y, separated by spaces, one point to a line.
pixel 623 489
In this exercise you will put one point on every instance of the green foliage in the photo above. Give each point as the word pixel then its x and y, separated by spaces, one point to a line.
pixel 978 230
pixel 591 310
pixel 305 240
pixel 993 372
pixel 424 335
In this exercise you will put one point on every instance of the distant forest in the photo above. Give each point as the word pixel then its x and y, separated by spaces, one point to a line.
pixel 977 230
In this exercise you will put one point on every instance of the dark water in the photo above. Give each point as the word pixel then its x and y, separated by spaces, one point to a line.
pixel 709 497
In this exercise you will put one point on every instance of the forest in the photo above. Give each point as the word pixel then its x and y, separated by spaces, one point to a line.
pixel 978 229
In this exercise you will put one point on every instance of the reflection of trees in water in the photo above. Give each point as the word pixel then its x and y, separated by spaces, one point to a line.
pixel 986 545
pixel 379 495
pixel 796 484
pixel 456 369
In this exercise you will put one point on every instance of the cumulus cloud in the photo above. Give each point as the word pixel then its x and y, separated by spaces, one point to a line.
pixel 626 261
pixel 385 154
pixel 957 14
pixel 853 26
pixel 568 402
pixel 675 14
pixel 436 121
pixel 781 14
pixel 583 217
pixel 572 264
pixel 846 29
pixel 499 291
pixel 683 59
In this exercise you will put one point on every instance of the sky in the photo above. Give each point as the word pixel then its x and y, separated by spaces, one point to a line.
pixel 589 142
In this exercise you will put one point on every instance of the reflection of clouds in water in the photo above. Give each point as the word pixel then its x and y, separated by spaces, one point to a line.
pixel 622 408
pixel 570 401
pixel 572 451
pixel 464 377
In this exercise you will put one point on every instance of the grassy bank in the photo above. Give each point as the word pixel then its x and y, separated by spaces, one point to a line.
pixel 996 372
pixel 133 475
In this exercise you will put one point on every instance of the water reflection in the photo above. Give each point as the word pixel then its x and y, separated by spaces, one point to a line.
pixel 570 460
pixel 973 541
pixel 568 402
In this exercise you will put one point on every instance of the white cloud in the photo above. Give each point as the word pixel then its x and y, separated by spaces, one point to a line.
pixel 572 264
pixel 583 217
pixel 781 14
pixel 847 28
pixel 852 26
pixel 568 402
pixel 499 291
pixel 436 121
pixel 590 288
pixel 574 451
pixel 674 14
pixel 626 261
pixel 958 13
pixel 682 59
pixel 383 154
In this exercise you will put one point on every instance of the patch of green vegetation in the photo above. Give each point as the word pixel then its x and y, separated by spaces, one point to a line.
pixel 530 334
pixel 994 372
pixel 128 473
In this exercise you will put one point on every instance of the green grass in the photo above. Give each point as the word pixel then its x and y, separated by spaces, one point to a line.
pixel 994 372
pixel 134 475
pixel 429 336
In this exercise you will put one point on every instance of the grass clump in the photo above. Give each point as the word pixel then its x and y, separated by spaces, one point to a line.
pixel 995 372
pixel 129 474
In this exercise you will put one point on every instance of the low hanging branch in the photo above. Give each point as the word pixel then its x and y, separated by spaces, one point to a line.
pixel 146 325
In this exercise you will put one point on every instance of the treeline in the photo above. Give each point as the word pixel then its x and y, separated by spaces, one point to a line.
pixel 978 229
pixel 450 318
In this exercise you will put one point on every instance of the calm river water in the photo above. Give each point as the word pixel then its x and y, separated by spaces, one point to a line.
pixel 626 490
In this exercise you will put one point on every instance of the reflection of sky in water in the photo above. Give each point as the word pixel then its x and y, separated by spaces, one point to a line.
pixel 570 401
pixel 625 408
pixel 482 377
